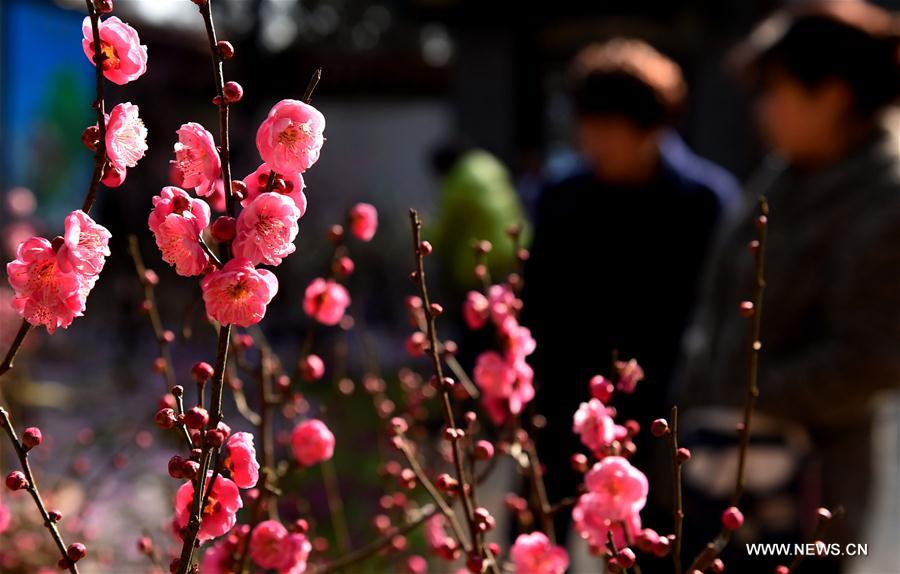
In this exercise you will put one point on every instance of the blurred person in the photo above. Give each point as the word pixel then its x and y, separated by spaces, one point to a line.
pixel 618 248
pixel 477 202
pixel 826 72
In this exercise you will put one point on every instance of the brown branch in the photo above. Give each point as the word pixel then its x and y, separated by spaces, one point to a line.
pixel 32 488
pixel 678 509
pixel 336 506
pixel 100 107
pixel 24 328
pixel 537 483
pixel 447 407
pixel 373 547
pixel 714 548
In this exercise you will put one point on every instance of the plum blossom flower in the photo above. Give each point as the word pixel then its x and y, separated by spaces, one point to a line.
pixel 5 517
pixel 197 159
pixel 312 442
pixel 534 554
pixel 219 559
pixel 290 138
pixel 506 386
pixel 617 492
pixel 177 220
pixel 266 229
pixel 241 460
pixel 503 303
pixel 220 512
pixel 238 294
pixel 363 221
pixel 629 375
pixel 125 57
pixel 257 181
pixel 272 547
pixel 267 544
pixel 594 425
pixel 126 137
pixel 592 525
pixel 85 245
pixel 326 301
pixel 517 340
pixel 45 294
pixel 440 543
pixel 476 310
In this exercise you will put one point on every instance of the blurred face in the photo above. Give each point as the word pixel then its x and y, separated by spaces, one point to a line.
pixel 806 125
pixel 618 150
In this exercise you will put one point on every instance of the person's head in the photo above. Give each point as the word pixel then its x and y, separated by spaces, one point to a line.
pixel 825 71
pixel 625 94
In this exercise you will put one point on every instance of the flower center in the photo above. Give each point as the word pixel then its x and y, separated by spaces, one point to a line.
pixel 110 56
pixel 131 140
pixel 295 134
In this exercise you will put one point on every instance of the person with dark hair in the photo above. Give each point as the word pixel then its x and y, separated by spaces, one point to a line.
pixel 618 246
pixel 825 72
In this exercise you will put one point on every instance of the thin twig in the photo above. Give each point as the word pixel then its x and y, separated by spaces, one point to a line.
pixel 336 506
pixel 24 328
pixel 678 509
pixel 33 489
pixel 100 107
pixel 714 548
pixel 373 547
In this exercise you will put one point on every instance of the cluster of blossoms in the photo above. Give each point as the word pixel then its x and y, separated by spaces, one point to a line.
pixel 236 292
pixel 505 379
pixel 52 279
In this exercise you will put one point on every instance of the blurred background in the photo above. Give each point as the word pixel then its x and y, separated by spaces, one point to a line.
pixel 401 78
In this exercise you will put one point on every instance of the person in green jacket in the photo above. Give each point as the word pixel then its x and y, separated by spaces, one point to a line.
pixel 477 202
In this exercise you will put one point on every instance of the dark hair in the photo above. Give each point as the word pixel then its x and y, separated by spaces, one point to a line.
pixel 627 77
pixel 846 40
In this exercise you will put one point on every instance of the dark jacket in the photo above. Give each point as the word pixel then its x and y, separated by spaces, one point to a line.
pixel 615 268
pixel 830 320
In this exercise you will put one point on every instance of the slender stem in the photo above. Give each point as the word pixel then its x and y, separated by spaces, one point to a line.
pixel 678 510
pixel 714 548
pixel 817 535
pixel 432 491
pixel 615 551
pixel 100 107
pixel 373 547
pixel 449 419
pixel 33 488
pixel 336 506
pixel 540 490
pixel 24 328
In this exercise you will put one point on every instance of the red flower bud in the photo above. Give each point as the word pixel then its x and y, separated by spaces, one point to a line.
pixel 425 248
pixel 16 480
pixel 55 515
pixel 31 437
pixel 76 551
pixel 112 176
pixel 165 418
pixel 343 267
pixel 601 388
pixel 233 92
pixel 659 428
pixel 176 467
pixel 483 450
pixel 683 454
pixel 223 229
pixel 196 418
pixel 732 518
pixel 202 372
pixel 312 368
pixel 225 49
pixel 579 462
pixel 90 137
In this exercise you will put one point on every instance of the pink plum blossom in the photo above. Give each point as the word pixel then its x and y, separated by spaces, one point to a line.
pixel 45 294
pixel 177 220
pixel 126 58
pixel 257 181
pixel 506 386
pixel 219 559
pixel 629 375
pixel 220 512
pixel 242 460
pixel 272 547
pixel 5 517
pixel 326 301
pixel 290 138
pixel 503 303
pixel 476 310
pixel 266 229
pixel 197 159
pixel 363 220
pixel 126 137
pixel 593 525
pixel 312 442
pixel 621 489
pixel 85 245
pixel 594 425
pixel 534 554
pixel 517 340
pixel 238 294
